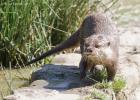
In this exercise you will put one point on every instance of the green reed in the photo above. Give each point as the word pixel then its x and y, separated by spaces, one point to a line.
pixel 30 27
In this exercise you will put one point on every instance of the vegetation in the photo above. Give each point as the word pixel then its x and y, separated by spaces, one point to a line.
pixel 97 95
pixel 30 27
pixel 11 79
pixel 101 78
pixel 101 83
pixel 98 75
pixel 118 85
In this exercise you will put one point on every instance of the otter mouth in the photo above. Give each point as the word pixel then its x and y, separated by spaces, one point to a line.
pixel 92 60
pixel 95 58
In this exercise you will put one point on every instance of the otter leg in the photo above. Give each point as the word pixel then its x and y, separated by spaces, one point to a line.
pixel 83 69
pixel 111 71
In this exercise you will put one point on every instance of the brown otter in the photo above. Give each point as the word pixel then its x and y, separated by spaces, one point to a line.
pixel 100 50
pixel 96 34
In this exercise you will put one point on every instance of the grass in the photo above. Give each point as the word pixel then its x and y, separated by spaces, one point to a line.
pixel 96 95
pixel 100 77
pixel 11 79
pixel 30 27
pixel 117 86
pixel 102 85
pixel 101 81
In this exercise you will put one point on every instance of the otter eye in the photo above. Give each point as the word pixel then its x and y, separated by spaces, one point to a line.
pixel 108 43
pixel 97 45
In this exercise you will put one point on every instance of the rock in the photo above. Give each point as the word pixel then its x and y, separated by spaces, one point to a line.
pixel 135 95
pixel 129 64
pixel 39 84
pixel 129 72
pixel 40 94
pixel 101 95
pixel 59 77
pixel 129 37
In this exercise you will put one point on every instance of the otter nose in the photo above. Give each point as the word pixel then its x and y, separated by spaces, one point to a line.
pixel 89 50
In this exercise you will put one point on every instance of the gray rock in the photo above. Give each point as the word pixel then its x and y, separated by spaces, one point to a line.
pixel 129 63
pixel 59 77
pixel 39 84
pixel 130 39
pixel 40 94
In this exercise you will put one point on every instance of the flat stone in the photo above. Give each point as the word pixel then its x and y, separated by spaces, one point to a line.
pixel 41 94
pixel 59 77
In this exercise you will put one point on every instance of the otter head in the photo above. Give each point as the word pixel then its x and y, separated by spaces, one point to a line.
pixel 97 49
pixel 95 43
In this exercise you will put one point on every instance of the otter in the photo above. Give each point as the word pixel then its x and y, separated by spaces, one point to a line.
pixel 98 43
pixel 100 49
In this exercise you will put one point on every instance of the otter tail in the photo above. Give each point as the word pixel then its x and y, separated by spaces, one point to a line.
pixel 71 42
